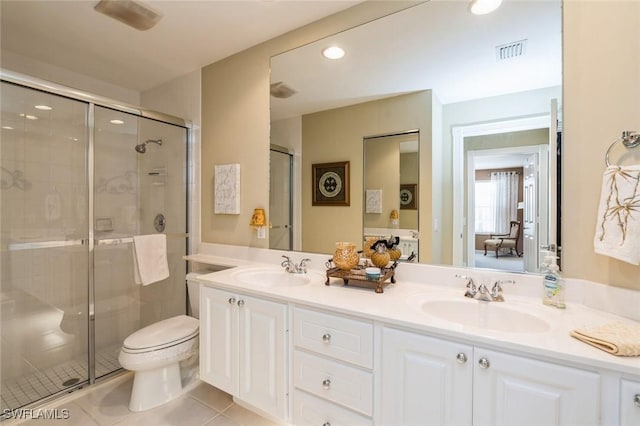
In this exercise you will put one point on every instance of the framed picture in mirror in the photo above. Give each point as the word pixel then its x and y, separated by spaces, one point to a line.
pixel 409 196
pixel 330 184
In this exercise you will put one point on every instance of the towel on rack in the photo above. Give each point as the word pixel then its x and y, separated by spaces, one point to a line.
pixel 618 227
pixel 616 338
pixel 150 258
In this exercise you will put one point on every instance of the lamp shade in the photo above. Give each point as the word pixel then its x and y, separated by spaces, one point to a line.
pixel 258 218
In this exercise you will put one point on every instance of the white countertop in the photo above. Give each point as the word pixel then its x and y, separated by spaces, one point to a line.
pixel 399 306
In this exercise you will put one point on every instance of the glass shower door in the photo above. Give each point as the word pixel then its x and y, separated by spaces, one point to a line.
pixel 44 231
pixel 139 183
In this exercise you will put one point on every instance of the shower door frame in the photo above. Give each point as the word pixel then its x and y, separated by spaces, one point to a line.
pixel 91 101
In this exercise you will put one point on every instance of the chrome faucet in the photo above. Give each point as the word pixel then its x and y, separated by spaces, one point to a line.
pixel 496 291
pixel 471 286
pixel 293 268
pixel 481 292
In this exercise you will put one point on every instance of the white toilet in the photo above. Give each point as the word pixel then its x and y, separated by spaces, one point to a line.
pixel 164 357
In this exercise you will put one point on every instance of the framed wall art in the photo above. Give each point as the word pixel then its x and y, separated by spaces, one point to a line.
pixel 330 184
pixel 226 189
pixel 409 196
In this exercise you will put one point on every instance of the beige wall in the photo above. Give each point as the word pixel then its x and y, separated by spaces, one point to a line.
pixel 336 135
pixel 601 98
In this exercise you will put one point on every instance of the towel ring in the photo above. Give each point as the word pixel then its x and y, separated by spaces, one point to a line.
pixel 628 139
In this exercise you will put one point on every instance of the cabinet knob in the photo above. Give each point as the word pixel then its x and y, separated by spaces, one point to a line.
pixel 326 383
pixel 232 300
pixel 461 358
pixel 636 399
pixel 326 338
pixel 241 303
pixel 484 363
pixel 326 424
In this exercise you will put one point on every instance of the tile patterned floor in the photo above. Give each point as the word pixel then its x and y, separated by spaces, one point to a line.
pixel 24 390
pixel 106 404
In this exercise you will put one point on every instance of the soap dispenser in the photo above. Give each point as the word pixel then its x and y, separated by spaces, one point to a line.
pixel 553 287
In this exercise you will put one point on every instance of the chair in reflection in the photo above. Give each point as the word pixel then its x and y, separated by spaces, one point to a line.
pixel 509 241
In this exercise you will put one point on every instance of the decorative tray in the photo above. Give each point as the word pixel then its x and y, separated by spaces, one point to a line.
pixel 357 275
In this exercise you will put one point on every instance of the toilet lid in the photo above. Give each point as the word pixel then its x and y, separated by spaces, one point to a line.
pixel 163 333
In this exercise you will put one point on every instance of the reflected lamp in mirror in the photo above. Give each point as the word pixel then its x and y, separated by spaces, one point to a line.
pixel 394 218
pixel 259 222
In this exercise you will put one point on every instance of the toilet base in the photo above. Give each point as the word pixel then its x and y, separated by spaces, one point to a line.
pixel 152 388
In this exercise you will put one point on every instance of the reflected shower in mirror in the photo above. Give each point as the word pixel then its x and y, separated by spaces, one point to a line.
pixel 452 76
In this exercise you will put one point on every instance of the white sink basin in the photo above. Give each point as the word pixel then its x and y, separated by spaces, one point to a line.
pixel 494 316
pixel 271 277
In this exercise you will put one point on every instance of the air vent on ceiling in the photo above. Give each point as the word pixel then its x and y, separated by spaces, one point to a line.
pixel 511 50
pixel 131 12
pixel 281 90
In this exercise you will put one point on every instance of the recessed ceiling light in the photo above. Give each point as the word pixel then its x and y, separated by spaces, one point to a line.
pixel 482 7
pixel 7 127
pixel 43 107
pixel 29 117
pixel 116 121
pixel 333 52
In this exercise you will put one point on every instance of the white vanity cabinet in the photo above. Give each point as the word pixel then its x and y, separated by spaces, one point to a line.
pixel 425 380
pixel 514 390
pixel 243 348
pixel 629 402
pixel 450 383
pixel 332 369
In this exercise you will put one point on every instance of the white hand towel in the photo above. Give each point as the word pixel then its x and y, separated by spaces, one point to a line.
pixel 618 228
pixel 150 258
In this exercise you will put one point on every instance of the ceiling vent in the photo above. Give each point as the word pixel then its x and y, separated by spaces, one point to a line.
pixel 131 12
pixel 281 90
pixel 511 50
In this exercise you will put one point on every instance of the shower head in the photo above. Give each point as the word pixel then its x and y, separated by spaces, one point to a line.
pixel 142 147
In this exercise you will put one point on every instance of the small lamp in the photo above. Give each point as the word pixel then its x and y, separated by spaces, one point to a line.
pixel 393 217
pixel 259 221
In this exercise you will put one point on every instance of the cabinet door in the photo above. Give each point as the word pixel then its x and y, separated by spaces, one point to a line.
pixel 425 381
pixel 262 354
pixel 219 339
pixel 511 390
pixel 629 402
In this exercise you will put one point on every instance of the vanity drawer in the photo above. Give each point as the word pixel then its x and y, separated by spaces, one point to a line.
pixel 309 410
pixel 342 384
pixel 335 336
pixel 629 402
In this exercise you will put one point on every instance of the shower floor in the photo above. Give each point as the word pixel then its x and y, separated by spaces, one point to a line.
pixel 16 393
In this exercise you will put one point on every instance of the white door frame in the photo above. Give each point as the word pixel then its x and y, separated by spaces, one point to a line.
pixel 460 214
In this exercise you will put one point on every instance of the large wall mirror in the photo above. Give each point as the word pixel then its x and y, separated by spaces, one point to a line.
pixel 479 95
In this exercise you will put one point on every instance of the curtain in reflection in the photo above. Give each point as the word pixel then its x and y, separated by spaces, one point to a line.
pixel 506 200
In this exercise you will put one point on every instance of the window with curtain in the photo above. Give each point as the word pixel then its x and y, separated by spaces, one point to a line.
pixel 496 202
pixel 484 200
pixel 506 200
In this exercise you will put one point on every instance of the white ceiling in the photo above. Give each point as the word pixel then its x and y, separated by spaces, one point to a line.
pixel 190 35
pixel 437 45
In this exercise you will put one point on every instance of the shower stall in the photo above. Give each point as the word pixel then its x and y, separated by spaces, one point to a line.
pixel 80 177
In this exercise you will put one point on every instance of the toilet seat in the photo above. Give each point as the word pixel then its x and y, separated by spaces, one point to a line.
pixel 161 335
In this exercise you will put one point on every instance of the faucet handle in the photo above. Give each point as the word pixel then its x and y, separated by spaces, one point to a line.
pixel 303 265
pixel 286 262
pixel 496 290
pixel 471 285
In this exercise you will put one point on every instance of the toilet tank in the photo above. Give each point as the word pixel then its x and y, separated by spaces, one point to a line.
pixel 193 288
